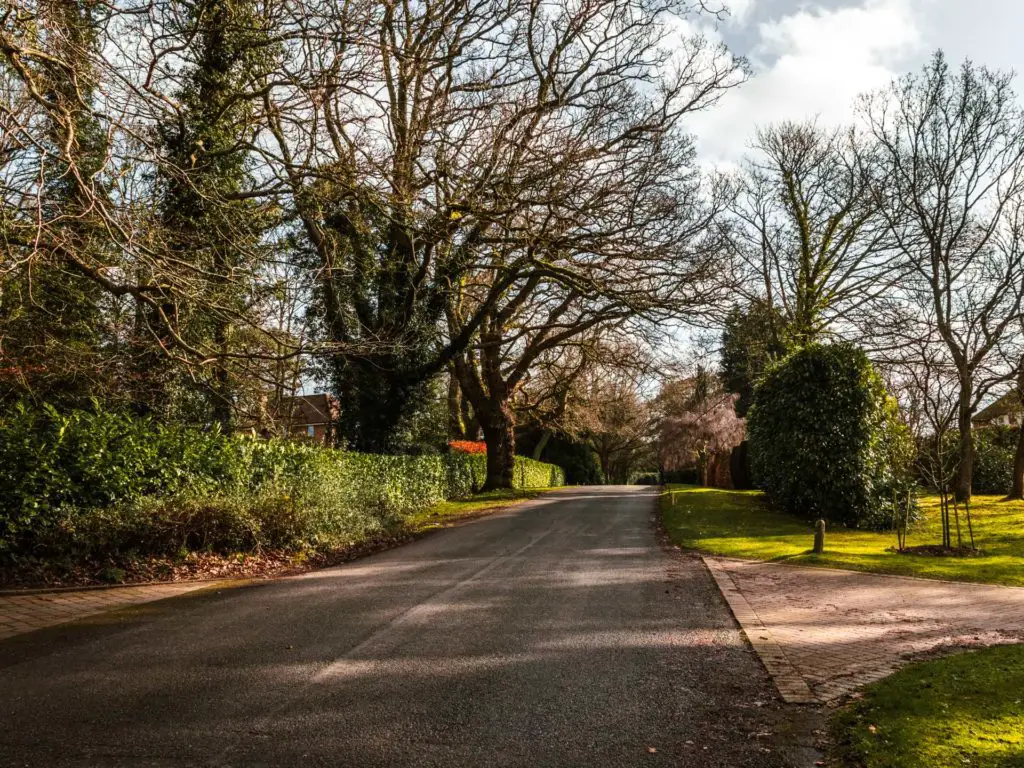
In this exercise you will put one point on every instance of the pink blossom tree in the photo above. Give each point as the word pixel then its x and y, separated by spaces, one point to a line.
pixel 699 421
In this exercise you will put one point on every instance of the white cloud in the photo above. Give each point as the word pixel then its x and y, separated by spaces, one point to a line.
pixel 813 62
pixel 739 10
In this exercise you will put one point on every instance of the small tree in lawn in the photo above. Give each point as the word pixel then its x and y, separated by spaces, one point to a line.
pixel 699 421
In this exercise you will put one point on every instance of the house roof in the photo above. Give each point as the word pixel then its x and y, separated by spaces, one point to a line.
pixel 1008 403
pixel 311 409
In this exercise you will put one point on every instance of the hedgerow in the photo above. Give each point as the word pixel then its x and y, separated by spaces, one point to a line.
pixel 89 484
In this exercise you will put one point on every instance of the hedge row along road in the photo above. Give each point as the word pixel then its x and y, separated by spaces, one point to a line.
pixel 557 633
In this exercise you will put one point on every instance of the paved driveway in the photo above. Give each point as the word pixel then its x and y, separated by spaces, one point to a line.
pixel 558 633
pixel 832 631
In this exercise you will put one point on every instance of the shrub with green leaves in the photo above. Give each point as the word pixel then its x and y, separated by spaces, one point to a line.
pixel 826 440
pixel 994 450
pixel 89 484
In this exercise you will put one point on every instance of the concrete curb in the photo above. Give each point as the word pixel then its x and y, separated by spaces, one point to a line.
pixel 791 686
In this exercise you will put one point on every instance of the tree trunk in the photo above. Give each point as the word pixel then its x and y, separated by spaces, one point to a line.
pixel 220 391
pixel 500 436
pixel 965 458
pixel 470 425
pixel 1017 491
pixel 456 427
pixel 605 460
pixel 538 449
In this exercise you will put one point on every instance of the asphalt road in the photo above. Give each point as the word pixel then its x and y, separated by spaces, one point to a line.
pixel 558 633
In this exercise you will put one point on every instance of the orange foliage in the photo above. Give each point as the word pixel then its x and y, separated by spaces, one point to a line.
pixel 468 446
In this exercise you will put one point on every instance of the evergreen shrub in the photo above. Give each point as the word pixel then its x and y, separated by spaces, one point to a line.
pixel 825 438
pixel 92 483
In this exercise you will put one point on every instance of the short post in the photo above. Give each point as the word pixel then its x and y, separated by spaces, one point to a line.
pixel 672 494
pixel 819 537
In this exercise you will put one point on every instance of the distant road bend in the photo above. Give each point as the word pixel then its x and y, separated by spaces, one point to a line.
pixel 557 633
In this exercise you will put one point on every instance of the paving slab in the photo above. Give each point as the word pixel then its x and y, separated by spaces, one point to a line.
pixel 822 633
pixel 27 612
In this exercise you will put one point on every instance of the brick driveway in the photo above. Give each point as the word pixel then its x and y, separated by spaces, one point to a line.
pixel 27 612
pixel 822 633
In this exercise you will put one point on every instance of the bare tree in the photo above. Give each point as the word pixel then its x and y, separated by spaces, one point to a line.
pixel 951 147
pixel 620 426
pixel 423 142
pixel 929 387
pixel 654 262
pixel 552 399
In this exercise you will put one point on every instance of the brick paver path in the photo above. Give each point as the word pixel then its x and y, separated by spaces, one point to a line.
pixel 28 612
pixel 822 633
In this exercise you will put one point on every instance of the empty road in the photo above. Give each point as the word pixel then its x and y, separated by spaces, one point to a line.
pixel 558 633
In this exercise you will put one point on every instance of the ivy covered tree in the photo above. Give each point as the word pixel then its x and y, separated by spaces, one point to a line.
pixel 806 229
pixel 752 339
pixel 54 339
pixel 214 224
pixel 452 146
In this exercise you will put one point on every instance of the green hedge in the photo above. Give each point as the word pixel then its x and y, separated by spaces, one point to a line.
pixel 92 484
pixel 994 451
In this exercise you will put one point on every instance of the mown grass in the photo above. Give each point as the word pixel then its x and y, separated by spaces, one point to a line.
pixel 447 513
pixel 740 524
pixel 963 710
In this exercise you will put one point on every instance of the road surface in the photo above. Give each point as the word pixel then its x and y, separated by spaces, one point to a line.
pixel 558 633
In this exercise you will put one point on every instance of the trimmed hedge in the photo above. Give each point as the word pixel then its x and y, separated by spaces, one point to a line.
pixel 92 484
pixel 825 438
pixel 689 476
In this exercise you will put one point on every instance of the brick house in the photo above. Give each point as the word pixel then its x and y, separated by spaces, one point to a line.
pixel 309 417
pixel 1007 411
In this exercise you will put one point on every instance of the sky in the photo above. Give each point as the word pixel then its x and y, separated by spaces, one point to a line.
pixel 811 58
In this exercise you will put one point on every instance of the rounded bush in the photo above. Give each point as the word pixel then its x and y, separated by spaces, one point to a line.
pixel 825 437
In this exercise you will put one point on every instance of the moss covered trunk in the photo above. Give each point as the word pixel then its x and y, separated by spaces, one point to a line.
pixel 500 436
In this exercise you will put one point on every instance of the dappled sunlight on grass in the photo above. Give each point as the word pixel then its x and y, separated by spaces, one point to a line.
pixel 967 709
pixel 740 524
pixel 447 512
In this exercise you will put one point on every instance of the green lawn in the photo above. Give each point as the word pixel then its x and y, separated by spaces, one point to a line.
pixel 739 524
pixel 449 512
pixel 964 710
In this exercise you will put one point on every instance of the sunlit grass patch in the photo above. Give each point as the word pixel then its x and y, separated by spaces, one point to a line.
pixel 447 512
pixel 964 710
pixel 740 524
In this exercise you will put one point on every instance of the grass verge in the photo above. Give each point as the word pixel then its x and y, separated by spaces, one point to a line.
pixel 447 513
pixel 740 524
pixel 963 710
